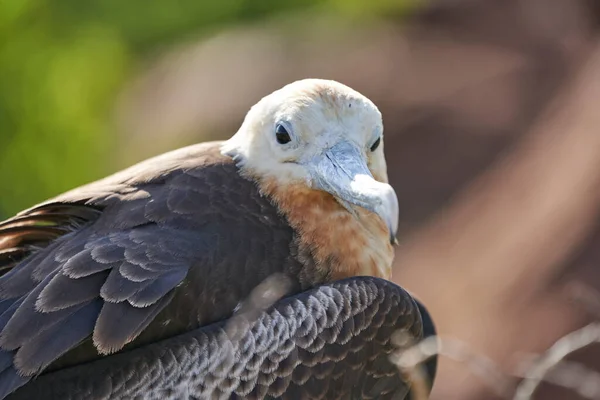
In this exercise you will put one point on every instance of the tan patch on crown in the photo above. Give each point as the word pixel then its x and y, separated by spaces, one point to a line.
pixel 340 243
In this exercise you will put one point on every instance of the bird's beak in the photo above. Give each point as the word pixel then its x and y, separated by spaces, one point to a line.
pixel 343 172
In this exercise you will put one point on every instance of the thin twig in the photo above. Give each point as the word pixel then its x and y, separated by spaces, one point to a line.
pixel 553 356
pixel 479 365
pixel 409 361
pixel 550 367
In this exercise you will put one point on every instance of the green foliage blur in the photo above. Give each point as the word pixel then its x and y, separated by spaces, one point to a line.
pixel 62 64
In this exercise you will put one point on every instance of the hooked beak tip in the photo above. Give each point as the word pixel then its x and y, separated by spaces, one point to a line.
pixel 379 198
pixel 389 211
pixel 383 201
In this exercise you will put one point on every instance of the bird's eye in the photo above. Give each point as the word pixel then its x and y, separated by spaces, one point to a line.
pixel 375 145
pixel 282 134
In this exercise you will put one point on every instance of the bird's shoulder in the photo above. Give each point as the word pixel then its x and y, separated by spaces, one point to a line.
pixel 185 187
pixel 202 160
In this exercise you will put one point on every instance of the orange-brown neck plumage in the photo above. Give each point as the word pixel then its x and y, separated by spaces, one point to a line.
pixel 342 243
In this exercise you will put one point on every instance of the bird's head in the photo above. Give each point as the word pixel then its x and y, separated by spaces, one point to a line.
pixel 325 136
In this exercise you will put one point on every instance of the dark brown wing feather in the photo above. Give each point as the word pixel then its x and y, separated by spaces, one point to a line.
pixel 330 342
pixel 25 233
pixel 101 264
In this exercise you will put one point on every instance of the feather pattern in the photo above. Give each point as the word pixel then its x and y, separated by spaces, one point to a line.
pixel 272 359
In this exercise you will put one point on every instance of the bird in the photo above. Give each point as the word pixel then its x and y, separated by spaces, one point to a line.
pixel 107 277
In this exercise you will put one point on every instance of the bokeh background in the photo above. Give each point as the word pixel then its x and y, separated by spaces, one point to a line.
pixel 492 126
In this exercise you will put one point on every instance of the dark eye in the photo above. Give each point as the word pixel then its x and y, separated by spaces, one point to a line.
pixel 282 134
pixel 375 145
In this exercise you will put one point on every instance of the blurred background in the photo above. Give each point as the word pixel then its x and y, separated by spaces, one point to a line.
pixel 492 126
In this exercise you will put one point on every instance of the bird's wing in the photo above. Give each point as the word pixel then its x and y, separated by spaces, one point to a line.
pixel 24 234
pixel 104 260
pixel 331 342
